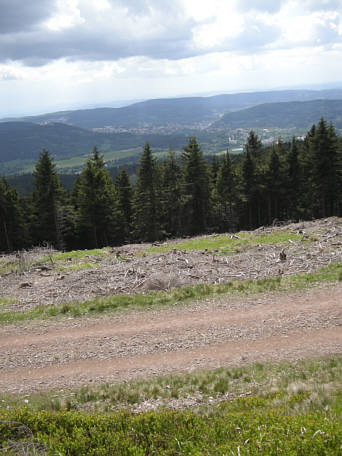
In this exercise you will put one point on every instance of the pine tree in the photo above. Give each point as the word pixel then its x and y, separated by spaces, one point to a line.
pixel 13 227
pixel 195 189
pixel 214 169
pixel 47 195
pixel 171 195
pixel 125 201
pixel 99 219
pixel 325 175
pixel 293 181
pixel 307 197
pixel 254 146
pixel 249 189
pixel 224 196
pixel 146 203
pixel 273 191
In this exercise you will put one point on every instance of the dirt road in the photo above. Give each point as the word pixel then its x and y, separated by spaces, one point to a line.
pixel 60 354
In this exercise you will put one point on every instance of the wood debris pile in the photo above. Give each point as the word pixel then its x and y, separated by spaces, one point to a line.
pixel 127 270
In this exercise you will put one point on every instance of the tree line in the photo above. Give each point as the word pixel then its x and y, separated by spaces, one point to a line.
pixel 177 196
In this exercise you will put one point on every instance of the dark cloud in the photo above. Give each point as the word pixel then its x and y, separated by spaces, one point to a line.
pixel 269 6
pixel 154 30
pixel 23 15
pixel 151 28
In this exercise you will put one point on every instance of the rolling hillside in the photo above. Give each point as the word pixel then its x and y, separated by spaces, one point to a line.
pixel 283 115
pixel 177 112
pixel 22 141
pixel 25 140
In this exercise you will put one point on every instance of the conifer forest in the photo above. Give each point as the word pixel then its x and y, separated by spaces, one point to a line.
pixel 181 195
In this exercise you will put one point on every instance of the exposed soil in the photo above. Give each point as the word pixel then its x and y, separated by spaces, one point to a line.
pixel 59 354
pixel 208 335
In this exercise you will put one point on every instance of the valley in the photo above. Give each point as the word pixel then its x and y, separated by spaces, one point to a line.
pixel 220 122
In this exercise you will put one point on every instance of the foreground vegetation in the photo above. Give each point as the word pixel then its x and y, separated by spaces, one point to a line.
pixel 292 409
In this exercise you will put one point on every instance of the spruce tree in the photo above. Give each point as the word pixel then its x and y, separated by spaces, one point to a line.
pixel 254 146
pixel 46 198
pixel 195 189
pixel 99 219
pixel 146 203
pixel 224 196
pixel 293 181
pixel 171 195
pixel 249 189
pixel 273 191
pixel 325 175
pixel 125 201
pixel 13 225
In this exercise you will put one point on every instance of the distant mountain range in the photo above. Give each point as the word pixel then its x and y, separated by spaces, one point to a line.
pixel 70 135
pixel 177 112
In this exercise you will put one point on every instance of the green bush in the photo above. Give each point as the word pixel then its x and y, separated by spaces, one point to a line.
pixel 248 426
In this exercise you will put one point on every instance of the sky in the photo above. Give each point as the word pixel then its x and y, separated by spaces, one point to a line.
pixel 64 54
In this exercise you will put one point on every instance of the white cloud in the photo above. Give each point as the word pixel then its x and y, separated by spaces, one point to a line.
pixel 114 48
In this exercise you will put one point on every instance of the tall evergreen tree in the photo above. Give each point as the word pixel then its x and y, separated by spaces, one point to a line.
pixel 325 175
pixel 213 171
pixel 146 203
pixel 254 146
pixel 273 178
pixel 195 189
pixel 125 200
pixel 293 181
pixel 47 195
pixel 249 190
pixel 99 219
pixel 224 196
pixel 13 227
pixel 171 195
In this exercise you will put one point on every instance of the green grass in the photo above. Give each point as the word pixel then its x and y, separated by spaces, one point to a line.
pixel 67 164
pixel 320 379
pixel 66 261
pixel 226 244
pixel 79 161
pixel 5 301
pixel 75 260
pixel 74 255
pixel 21 265
pixel 176 296
pixel 7 268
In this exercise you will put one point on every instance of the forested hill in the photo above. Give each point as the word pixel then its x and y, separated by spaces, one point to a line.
pixel 177 197
pixel 187 111
pixel 25 140
pixel 283 115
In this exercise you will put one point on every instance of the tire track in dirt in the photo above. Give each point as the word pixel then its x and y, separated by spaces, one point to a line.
pixel 305 324
pixel 292 346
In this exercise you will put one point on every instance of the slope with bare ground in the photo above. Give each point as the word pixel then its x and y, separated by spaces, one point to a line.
pixel 59 353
